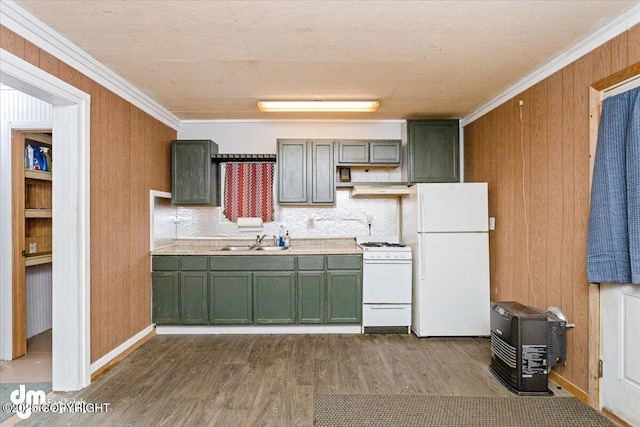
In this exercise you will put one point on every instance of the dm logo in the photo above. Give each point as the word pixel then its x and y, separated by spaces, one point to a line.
pixel 25 400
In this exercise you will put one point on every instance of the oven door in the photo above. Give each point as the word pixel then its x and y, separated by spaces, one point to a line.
pixel 386 281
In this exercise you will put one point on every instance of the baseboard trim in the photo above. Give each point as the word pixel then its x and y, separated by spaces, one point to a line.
pixel 258 329
pixel 580 394
pixel 615 418
pixel 109 360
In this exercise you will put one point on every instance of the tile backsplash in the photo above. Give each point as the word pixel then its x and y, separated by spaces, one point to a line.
pixel 348 218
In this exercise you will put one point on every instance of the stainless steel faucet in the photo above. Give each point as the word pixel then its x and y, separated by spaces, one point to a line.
pixel 259 239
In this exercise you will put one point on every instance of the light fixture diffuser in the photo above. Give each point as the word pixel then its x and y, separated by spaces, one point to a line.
pixel 319 106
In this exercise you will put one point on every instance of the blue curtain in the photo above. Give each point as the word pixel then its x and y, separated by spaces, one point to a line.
pixel 613 242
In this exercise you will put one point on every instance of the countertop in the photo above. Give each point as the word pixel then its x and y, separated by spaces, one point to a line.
pixel 213 246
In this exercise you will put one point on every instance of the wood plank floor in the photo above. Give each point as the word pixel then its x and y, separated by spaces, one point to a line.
pixel 271 380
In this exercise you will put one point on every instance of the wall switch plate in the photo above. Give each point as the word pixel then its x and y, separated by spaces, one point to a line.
pixel 32 248
pixel 492 223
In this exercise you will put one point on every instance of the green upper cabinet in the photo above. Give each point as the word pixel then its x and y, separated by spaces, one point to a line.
pixel 386 152
pixel 292 171
pixel 433 150
pixel 194 177
pixel 306 172
pixel 374 152
pixel 352 151
pixel 322 173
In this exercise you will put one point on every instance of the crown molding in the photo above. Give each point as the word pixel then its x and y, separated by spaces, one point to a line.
pixel 349 121
pixel 27 26
pixel 616 27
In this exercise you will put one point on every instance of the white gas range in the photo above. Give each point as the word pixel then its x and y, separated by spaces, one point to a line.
pixel 386 285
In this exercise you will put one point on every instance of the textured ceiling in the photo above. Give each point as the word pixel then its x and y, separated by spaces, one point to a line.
pixel 216 59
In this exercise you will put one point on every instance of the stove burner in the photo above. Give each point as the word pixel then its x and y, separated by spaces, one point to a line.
pixel 382 245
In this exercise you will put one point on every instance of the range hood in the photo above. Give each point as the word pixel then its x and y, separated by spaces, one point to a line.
pixel 379 190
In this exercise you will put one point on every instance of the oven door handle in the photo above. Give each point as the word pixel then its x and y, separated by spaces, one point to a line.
pixel 379 262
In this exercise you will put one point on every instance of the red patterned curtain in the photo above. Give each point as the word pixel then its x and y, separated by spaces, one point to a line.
pixel 248 191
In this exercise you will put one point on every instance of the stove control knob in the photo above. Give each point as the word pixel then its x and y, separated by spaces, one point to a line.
pixel 395 255
pixel 386 255
pixel 402 255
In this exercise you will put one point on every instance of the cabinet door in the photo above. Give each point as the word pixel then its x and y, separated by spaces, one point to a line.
pixel 292 171
pixel 165 297
pixel 323 174
pixel 193 177
pixel 344 296
pixel 353 151
pixel 193 298
pixel 385 152
pixel 311 286
pixel 274 297
pixel 230 298
pixel 433 150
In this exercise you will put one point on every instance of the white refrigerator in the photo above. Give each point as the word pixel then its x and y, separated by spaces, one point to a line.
pixel 447 227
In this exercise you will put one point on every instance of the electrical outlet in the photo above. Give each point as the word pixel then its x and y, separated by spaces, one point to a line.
pixel 32 248
pixel 311 223
pixel 492 223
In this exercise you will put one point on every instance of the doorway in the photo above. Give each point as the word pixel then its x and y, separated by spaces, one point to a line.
pixel 31 226
pixel 615 319
pixel 70 243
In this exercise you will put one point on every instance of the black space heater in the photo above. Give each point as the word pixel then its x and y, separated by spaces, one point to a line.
pixel 525 343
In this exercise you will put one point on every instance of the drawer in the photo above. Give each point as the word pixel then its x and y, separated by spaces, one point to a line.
pixel 311 262
pixel 165 263
pixel 386 315
pixel 194 263
pixel 344 262
pixel 252 263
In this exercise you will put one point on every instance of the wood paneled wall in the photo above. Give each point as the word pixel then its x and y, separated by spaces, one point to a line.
pixel 130 154
pixel 536 161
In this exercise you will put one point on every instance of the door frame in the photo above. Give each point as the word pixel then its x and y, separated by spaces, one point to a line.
pixel 71 238
pixel 596 94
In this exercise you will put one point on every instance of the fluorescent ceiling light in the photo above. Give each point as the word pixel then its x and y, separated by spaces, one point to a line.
pixel 327 106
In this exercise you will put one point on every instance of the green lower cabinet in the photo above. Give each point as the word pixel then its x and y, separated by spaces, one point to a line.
pixel 230 298
pixel 311 285
pixel 165 297
pixel 283 289
pixel 344 296
pixel 193 298
pixel 274 296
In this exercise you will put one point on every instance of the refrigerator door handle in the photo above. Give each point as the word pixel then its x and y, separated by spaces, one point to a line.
pixel 421 257
pixel 421 221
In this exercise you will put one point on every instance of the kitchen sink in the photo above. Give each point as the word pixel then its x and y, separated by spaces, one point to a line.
pixel 272 248
pixel 254 248
pixel 238 248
